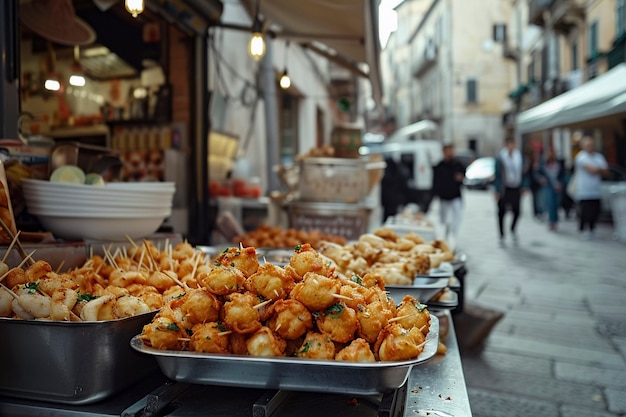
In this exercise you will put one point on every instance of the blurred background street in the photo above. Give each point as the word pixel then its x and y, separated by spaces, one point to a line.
pixel 560 348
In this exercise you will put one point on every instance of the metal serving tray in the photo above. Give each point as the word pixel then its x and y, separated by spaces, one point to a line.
pixel 291 374
pixel 423 289
pixel 70 363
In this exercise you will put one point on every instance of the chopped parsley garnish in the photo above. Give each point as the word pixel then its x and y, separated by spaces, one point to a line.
pixel 173 327
pixel 298 248
pixel 357 279
pixel 221 327
pixel 225 251
pixel 421 307
pixel 32 287
pixel 305 347
pixel 179 296
pixel 86 297
pixel 217 263
pixel 335 310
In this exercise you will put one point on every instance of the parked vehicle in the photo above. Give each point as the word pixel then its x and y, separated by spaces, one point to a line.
pixel 480 173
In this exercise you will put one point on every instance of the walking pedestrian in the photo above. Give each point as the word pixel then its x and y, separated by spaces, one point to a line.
pixel 511 181
pixel 537 183
pixel 447 179
pixel 590 166
pixel 551 174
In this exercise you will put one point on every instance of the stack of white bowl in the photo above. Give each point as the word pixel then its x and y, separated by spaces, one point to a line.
pixel 115 211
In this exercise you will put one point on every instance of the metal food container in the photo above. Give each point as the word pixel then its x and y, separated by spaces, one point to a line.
pixel 347 220
pixel 71 363
pixel 423 289
pixel 288 373
pixel 339 180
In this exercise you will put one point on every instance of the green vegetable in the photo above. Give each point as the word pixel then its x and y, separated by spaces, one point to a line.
pixel 221 326
pixel 68 173
pixel 357 279
pixel 305 347
pixel 173 327
pixel 86 297
pixel 335 310
pixel 32 287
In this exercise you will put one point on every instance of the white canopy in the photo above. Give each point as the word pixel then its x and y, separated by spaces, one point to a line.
pixel 599 97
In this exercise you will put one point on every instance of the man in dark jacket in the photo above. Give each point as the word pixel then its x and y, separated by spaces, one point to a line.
pixel 511 181
pixel 447 179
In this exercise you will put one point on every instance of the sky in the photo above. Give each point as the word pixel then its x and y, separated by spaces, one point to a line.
pixel 387 19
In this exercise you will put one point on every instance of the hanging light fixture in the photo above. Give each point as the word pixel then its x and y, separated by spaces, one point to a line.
pixel 134 7
pixel 285 81
pixel 51 81
pixel 77 76
pixel 256 46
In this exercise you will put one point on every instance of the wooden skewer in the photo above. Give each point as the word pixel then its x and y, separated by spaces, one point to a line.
pixel 343 297
pixel 184 339
pixel 263 304
pixel 132 242
pixel 60 266
pixel 8 231
pixel 399 318
pixel 19 266
pixel 421 345
pixel 9 290
pixel 174 278
pixel 6 254
pixel 225 333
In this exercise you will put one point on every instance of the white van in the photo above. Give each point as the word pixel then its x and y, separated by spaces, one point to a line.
pixel 418 157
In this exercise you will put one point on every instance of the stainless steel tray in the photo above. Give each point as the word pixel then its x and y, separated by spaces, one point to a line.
pixel 291 374
pixel 423 289
pixel 70 363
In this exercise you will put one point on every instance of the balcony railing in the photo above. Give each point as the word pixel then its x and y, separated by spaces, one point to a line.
pixel 617 54
pixel 536 9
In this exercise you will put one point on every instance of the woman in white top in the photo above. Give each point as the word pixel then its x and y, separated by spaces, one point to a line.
pixel 590 167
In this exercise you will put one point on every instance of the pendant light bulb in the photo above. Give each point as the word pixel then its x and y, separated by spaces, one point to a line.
pixel 52 82
pixel 256 46
pixel 285 81
pixel 134 7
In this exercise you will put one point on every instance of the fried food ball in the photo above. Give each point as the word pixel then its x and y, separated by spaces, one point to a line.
pixel 354 294
pixel 240 314
pixel 162 333
pixel 270 281
pixel 209 338
pixel 99 308
pixel 395 343
pixel 222 280
pixel 200 306
pixel 160 280
pixel 317 292
pixel 122 278
pixel 386 233
pixel 357 351
pixel 412 313
pixel 38 270
pixel 264 342
pixel 5 302
pixel 306 259
pixel 180 252
pixel 173 293
pixel 129 306
pixel 291 319
pixel 372 317
pixel 338 322
pixel 15 277
pixel 244 259
pixel 316 346
pixel 51 282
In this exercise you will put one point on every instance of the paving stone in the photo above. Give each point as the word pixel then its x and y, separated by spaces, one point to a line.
pixel 537 348
pixel 500 361
pixel 527 385
pixel 620 342
pixel 563 335
pixel 616 399
pixel 611 327
pixel 489 404
pixel 590 374
pixel 571 411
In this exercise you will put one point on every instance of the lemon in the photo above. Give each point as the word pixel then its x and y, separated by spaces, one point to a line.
pixel 68 173
pixel 94 179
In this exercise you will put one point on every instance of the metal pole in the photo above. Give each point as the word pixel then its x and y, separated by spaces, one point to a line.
pixel 268 83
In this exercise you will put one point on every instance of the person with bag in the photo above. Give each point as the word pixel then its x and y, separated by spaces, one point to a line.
pixel 551 174
pixel 590 166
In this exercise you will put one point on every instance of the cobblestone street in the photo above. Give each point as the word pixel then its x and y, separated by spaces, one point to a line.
pixel 560 348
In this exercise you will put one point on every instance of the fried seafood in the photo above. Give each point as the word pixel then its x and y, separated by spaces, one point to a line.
pixel 209 338
pixel 244 259
pixel 306 310
pixel 357 351
pixel 395 343
pixel 412 313
pixel 290 319
pixel 339 322
pixel 317 292
pixel 316 346
pixel 264 342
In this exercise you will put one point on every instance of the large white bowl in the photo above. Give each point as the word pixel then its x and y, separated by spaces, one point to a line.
pixel 100 228
pixel 98 212
pixel 35 198
pixel 110 190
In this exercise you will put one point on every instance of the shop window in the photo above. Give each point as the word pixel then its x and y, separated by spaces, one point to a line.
pixel 499 33
pixel 288 125
pixel 574 55
pixel 472 90
pixel 593 40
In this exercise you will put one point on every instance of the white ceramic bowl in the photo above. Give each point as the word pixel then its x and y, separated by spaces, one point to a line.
pixel 35 198
pixel 98 212
pixel 100 228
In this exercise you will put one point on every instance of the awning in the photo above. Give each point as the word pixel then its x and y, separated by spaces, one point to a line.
pixel 600 97
pixel 348 27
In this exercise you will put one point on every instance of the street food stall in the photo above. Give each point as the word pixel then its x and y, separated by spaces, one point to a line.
pixel 109 314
